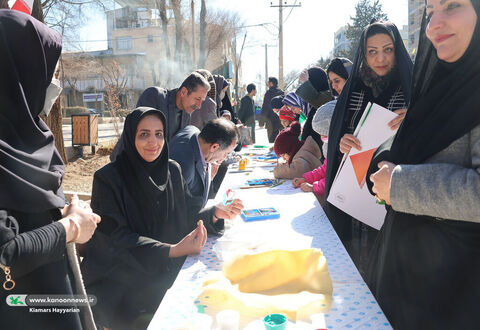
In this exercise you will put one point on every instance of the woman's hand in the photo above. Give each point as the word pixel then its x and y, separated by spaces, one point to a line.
pixel 348 142
pixel 381 181
pixel 297 182
pixel 306 187
pixel 193 243
pixel 79 221
pixel 395 123
pixel 229 212
pixel 303 76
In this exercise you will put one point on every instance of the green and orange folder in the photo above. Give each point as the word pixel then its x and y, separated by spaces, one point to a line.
pixel 360 163
pixel 349 192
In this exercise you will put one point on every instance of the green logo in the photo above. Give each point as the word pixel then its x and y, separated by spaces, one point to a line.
pixel 17 300
pixel 14 301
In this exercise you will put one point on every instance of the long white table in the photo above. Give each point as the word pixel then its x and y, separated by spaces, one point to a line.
pixel 302 224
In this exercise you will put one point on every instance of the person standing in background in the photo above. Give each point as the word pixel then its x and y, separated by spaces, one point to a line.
pixel 246 113
pixel 272 121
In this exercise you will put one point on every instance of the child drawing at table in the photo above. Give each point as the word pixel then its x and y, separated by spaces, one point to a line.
pixel 300 157
pixel 314 181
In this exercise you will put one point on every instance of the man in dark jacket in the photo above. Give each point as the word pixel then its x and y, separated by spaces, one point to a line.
pixel 272 121
pixel 246 113
pixel 196 151
pixel 176 104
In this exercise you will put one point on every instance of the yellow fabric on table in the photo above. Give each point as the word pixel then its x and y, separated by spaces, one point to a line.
pixel 295 283
pixel 279 272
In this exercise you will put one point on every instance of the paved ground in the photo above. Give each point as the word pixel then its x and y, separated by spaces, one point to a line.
pixel 106 132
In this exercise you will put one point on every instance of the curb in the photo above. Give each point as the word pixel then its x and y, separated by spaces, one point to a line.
pixel 81 196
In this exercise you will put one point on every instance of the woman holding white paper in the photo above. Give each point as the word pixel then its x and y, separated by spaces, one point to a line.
pixel 381 74
pixel 426 262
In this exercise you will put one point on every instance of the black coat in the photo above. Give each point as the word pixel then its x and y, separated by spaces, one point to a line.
pixel 127 271
pixel 339 123
pixel 185 150
pixel 39 265
pixel 267 111
pixel 246 113
pixel 32 242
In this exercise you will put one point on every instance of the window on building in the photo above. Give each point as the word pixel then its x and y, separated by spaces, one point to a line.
pixel 124 43
pixel 150 38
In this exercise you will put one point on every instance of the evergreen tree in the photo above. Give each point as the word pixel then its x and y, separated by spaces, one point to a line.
pixel 365 11
pixel 323 62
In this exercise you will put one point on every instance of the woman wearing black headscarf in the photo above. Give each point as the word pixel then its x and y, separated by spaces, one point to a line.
pixel 35 225
pixel 221 86
pixel 426 262
pixel 315 91
pixel 150 223
pixel 381 74
pixel 338 71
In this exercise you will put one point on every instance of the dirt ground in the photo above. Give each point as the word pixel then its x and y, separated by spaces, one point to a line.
pixel 79 172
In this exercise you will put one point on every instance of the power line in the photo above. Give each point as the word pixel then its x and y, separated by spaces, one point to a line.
pixel 280 35
pixel 293 7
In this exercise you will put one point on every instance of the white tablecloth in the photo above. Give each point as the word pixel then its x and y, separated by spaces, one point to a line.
pixel 302 224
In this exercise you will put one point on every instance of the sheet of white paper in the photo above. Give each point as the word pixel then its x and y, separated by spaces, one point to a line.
pixel 349 193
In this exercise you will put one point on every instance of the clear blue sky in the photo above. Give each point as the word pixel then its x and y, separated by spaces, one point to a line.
pixel 308 31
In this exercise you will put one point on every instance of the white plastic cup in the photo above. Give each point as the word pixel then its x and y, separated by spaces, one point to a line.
pixel 203 321
pixel 228 320
pixel 318 321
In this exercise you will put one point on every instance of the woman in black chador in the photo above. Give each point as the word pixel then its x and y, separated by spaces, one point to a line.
pixel 35 224
pixel 150 223
pixel 381 74
pixel 426 261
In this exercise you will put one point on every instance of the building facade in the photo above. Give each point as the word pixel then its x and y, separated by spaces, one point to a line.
pixel 404 34
pixel 341 44
pixel 139 56
pixel 415 14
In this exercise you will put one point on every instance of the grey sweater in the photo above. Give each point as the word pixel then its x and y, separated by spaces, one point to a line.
pixel 446 186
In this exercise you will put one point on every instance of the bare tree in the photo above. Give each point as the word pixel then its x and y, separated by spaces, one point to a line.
pixel 48 11
pixel 54 120
pixel 165 61
pixel 291 80
pixel 4 4
pixel 203 35
pixel 221 26
pixel 179 30
pixel 76 67
pixel 116 82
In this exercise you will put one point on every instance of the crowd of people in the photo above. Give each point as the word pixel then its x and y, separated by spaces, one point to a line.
pixel 149 207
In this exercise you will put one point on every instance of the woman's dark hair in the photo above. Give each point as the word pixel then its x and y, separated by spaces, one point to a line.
pixel 378 28
pixel 221 131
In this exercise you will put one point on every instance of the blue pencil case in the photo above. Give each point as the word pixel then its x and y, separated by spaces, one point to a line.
pixel 260 214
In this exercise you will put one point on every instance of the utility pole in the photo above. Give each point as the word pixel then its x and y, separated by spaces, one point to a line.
pixel 280 36
pixel 266 64
pixel 237 63
pixel 194 60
